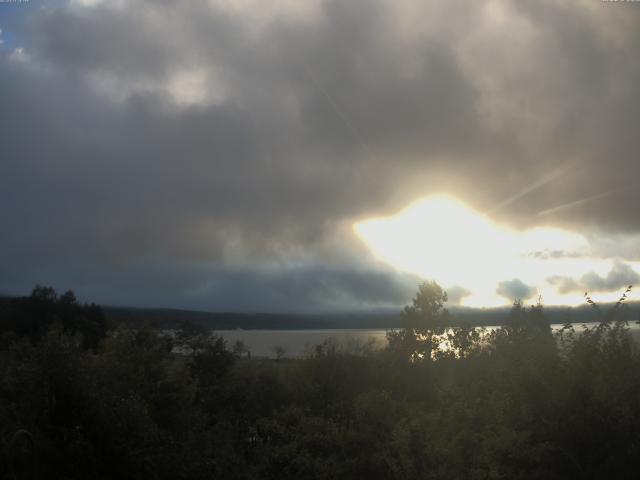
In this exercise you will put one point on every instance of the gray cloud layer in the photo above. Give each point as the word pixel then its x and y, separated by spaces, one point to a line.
pixel 619 277
pixel 515 289
pixel 142 134
pixel 456 293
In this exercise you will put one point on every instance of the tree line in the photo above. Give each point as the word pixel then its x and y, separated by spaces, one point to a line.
pixel 80 398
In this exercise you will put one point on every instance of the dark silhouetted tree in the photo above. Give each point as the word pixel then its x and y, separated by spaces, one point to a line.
pixel 424 321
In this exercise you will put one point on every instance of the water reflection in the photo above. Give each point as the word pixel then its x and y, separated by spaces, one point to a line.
pixel 297 343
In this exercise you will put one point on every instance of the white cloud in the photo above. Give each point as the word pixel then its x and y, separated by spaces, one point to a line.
pixel 442 239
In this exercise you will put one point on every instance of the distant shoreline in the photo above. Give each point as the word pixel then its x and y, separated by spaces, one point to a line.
pixel 173 318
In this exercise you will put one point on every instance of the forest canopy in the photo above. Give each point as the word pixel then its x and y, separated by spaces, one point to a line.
pixel 80 399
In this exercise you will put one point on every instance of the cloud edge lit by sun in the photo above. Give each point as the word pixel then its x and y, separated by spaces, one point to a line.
pixel 439 237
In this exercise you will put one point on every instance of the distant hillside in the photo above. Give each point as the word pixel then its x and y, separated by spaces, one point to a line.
pixel 171 318
pixel 556 314
pixel 165 318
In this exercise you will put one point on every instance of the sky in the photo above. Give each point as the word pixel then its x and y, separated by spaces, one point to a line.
pixel 319 156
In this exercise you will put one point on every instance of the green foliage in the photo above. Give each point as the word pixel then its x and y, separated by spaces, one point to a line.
pixel 32 316
pixel 515 402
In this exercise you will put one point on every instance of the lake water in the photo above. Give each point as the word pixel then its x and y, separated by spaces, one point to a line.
pixel 297 343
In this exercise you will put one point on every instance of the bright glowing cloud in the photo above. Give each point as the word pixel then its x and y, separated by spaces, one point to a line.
pixel 441 238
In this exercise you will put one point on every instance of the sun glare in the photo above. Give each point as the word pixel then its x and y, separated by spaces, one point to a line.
pixel 441 238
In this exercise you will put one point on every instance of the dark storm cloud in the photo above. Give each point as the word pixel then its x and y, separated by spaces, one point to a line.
pixel 190 131
pixel 586 79
pixel 515 290
pixel 167 283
